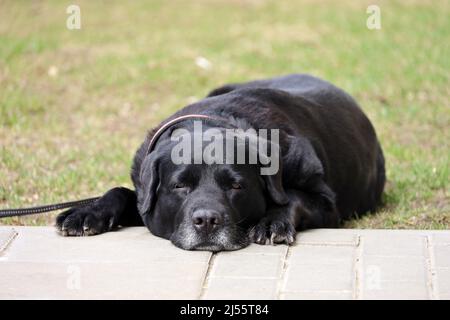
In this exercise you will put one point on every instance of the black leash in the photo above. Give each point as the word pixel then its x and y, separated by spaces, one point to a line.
pixel 51 207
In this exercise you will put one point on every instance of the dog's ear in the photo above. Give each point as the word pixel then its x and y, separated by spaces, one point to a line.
pixel 222 90
pixel 148 183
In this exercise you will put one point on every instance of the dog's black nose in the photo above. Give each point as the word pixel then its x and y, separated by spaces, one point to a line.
pixel 206 220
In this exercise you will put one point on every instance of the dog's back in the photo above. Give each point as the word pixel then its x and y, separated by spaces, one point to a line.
pixel 301 85
pixel 341 134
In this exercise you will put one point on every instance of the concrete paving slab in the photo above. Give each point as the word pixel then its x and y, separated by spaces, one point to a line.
pixel 240 288
pixel 318 277
pixel 442 256
pixel 329 237
pixel 443 283
pixel 32 280
pixel 319 268
pixel 441 239
pixel 37 263
pixel 306 254
pixel 127 245
pixel 317 295
pixel 393 244
pixel 399 268
pixel 230 265
pixel 7 235
pixel 395 290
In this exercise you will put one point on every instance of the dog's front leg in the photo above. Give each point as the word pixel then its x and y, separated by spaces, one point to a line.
pixel 304 211
pixel 116 207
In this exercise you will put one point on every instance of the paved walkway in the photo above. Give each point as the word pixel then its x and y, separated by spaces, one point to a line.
pixel 132 264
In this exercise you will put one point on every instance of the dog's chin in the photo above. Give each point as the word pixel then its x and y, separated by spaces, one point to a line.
pixel 213 247
pixel 219 247
pixel 221 241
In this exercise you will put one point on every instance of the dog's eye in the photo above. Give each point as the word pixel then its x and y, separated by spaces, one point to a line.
pixel 236 186
pixel 179 186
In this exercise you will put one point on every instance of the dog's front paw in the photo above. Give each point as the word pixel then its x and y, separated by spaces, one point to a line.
pixel 273 229
pixel 84 221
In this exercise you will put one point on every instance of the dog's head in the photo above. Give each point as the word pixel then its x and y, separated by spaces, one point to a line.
pixel 207 205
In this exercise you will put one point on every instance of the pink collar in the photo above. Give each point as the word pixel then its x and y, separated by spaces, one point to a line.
pixel 170 123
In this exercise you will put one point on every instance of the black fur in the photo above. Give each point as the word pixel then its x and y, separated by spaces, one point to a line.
pixel 332 169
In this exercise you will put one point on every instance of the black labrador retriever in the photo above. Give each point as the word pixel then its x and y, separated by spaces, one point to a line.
pixel 331 168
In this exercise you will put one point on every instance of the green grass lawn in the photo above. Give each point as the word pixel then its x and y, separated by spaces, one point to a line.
pixel 74 105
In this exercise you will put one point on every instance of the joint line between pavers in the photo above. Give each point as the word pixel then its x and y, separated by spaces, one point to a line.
pixel 283 274
pixel 358 269
pixel 8 241
pixel 242 277
pixel 431 269
pixel 206 278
